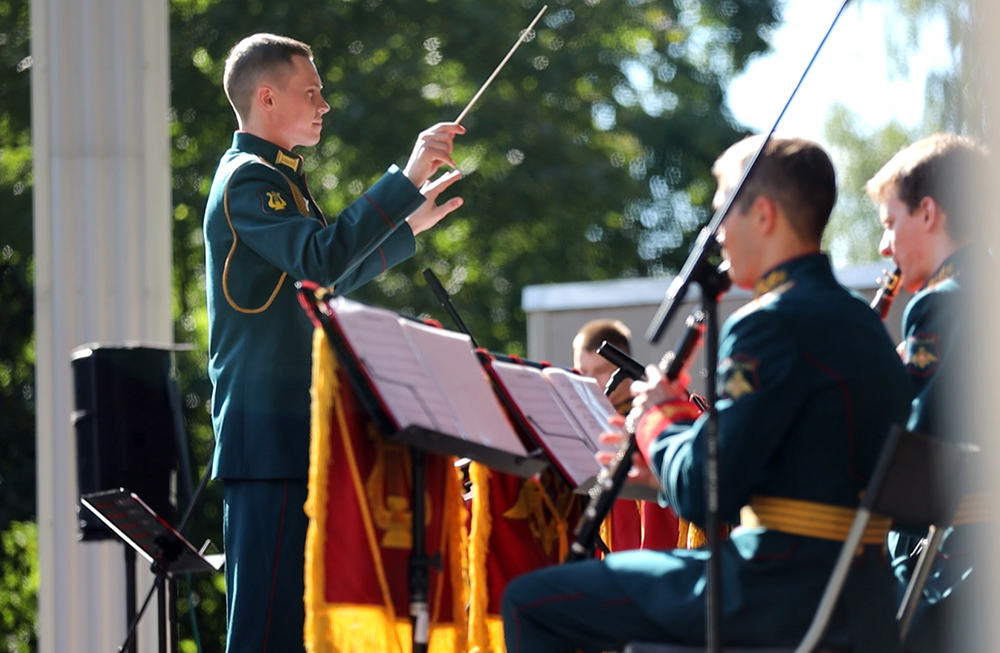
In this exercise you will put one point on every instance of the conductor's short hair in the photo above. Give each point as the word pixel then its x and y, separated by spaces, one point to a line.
pixel 254 58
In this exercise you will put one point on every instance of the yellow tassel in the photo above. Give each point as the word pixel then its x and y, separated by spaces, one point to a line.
pixel 455 537
pixel 323 629
pixel 606 532
pixel 323 381
pixel 682 533
pixel 696 537
pixel 479 543
pixel 365 629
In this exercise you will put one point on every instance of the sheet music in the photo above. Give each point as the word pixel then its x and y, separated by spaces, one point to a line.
pixel 450 362
pixel 586 401
pixel 428 377
pixel 378 339
pixel 561 434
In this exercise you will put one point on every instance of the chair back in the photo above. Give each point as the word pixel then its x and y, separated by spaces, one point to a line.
pixel 919 480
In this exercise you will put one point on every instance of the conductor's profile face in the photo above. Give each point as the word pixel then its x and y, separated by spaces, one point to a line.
pixel 297 100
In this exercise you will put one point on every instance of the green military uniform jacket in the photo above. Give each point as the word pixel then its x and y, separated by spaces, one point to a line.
pixel 934 333
pixel 809 384
pixel 263 232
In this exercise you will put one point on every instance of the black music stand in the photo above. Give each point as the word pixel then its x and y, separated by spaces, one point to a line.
pixel 420 440
pixel 149 535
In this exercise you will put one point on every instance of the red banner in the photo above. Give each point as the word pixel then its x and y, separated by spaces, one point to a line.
pixel 359 540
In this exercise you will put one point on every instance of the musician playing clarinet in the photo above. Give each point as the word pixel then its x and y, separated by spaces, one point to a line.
pixel 264 232
pixel 925 196
pixel 809 384
pixel 631 524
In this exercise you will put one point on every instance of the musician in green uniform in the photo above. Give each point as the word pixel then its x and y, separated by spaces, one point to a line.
pixel 264 232
pixel 809 386
pixel 926 196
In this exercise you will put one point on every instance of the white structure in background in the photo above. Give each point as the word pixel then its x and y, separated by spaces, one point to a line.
pixel 100 98
pixel 555 312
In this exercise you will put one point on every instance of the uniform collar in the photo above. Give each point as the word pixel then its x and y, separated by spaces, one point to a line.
pixel 950 268
pixel 280 157
pixel 789 270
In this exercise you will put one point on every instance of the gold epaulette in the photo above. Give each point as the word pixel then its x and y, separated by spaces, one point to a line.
pixel 811 519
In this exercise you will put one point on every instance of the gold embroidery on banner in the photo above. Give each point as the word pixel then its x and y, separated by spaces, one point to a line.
pixel 388 489
pixel 531 505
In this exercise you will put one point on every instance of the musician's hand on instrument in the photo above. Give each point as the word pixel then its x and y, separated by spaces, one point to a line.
pixel 432 150
pixel 655 390
pixel 430 213
pixel 612 438
pixel 641 474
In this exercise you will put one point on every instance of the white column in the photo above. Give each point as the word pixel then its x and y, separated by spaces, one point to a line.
pixel 102 268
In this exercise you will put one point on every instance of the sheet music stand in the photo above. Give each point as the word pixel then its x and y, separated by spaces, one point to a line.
pixel 420 440
pixel 148 534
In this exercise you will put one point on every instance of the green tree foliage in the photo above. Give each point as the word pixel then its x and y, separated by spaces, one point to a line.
pixel 952 102
pixel 588 159
pixel 854 231
pixel 17 409
pixel 19 588
pixel 18 536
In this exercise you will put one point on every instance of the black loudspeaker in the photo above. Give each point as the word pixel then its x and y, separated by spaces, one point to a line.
pixel 127 418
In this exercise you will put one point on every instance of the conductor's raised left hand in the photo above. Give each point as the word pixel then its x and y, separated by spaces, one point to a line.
pixel 430 213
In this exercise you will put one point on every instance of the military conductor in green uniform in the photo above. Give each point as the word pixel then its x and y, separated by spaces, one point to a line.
pixel 809 384
pixel 263 232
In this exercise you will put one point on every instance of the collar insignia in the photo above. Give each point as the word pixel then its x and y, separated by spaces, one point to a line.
pixel 770 282
pixel 943 274
pixel 285 160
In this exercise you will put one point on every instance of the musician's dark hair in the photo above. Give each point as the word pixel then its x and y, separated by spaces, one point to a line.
pixel 251 60
pixel 794 172
pixel 944 167
pixel 593 333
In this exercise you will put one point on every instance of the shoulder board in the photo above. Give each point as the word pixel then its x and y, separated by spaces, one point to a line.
pixel 764 300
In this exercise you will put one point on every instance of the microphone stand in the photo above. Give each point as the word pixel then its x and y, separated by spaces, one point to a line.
pixel 693 272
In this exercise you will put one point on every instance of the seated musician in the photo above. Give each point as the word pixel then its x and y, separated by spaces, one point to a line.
pixel 925 202
pixel 632 524
pixel 809 386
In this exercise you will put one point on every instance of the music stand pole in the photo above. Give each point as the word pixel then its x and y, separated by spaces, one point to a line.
pixel 130 592
pixel 160 586
pixel 419 563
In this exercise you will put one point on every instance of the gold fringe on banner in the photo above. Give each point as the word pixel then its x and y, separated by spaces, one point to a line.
pixel 354 628
pixel 479 544
pixel 325 630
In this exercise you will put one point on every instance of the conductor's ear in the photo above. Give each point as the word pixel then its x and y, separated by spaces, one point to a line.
pixel 265 97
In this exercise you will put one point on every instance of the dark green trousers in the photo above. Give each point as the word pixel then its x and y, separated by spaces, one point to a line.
pixel 264 526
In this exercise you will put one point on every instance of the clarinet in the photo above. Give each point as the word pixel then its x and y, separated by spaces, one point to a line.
pixel 611 479
pixel 888 288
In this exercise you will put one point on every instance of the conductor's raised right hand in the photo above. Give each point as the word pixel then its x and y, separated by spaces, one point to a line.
pixel 432 150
